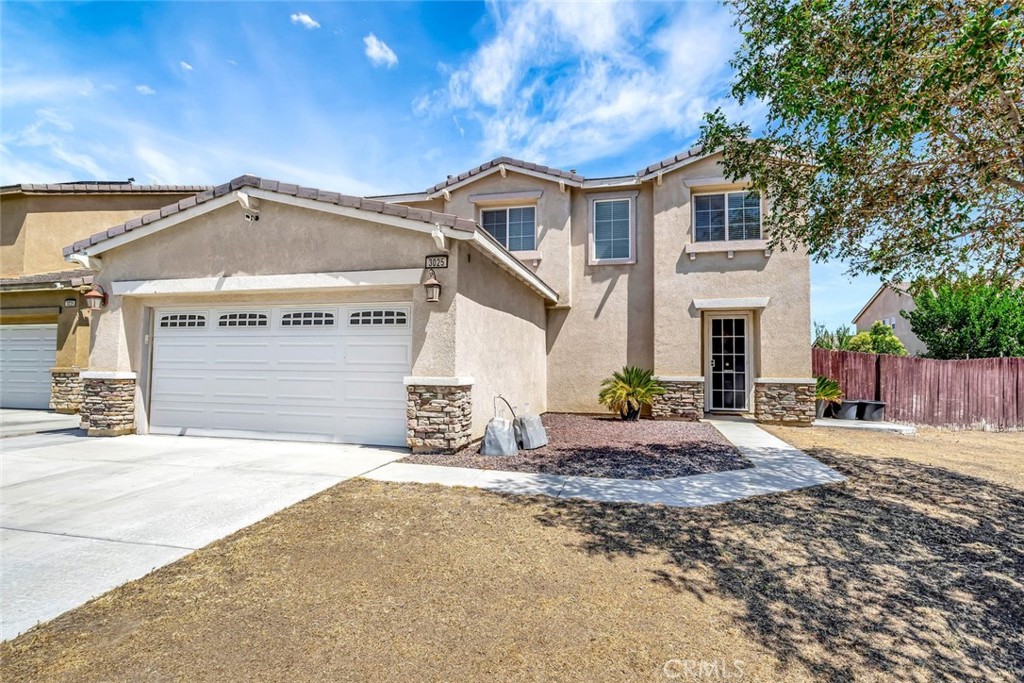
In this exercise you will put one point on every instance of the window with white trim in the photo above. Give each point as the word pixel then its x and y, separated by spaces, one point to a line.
pixel 727 216
pixel 389 317
pixel 515 226
pixel 176 320
pixel 243 320
pixel 307 319
pixel 612 230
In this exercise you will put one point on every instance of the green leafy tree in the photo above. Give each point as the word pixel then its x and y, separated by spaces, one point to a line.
pixel 893 133
pixel 879 339
pixel 971 318
pixel 836 340
pixel 627 391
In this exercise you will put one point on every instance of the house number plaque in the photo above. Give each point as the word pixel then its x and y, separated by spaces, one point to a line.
pixel 437 261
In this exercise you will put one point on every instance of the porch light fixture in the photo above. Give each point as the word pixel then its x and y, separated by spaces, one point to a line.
pixel 96 298
pixel 433 288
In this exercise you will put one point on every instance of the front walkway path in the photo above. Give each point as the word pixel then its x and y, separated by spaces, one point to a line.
pixel 778 467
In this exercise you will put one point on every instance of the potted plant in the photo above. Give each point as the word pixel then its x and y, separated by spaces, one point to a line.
pixel 627 391
pixel 826 393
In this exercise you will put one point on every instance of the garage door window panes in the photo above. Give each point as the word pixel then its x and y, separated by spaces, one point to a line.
pixel 307 319
pixel 243 320
pixel 379 317
pixel 183 320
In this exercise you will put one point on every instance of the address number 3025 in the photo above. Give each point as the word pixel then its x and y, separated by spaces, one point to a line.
pixel 436 262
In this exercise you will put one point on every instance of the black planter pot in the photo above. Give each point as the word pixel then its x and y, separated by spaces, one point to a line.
pixel 819 408
pixel 847 410
pixel 872 411
pixel 631 415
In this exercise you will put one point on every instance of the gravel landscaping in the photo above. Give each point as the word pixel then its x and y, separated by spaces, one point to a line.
pixel 603 446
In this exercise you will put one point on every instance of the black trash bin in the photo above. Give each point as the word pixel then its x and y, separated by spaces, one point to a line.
pixel 847 410
pixel 872 411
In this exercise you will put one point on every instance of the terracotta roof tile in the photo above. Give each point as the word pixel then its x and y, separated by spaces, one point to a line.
pixel 313 194
pixel 65 276
pixel 100 188
pixel 665 163
pixel 508 161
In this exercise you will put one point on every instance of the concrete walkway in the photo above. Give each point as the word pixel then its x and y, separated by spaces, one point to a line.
pixel 890 427
pixel 16 422
pixel 81 516
pixel 778 467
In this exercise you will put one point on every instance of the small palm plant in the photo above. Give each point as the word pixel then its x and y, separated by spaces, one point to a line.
pixel 628 391
pixel 826 391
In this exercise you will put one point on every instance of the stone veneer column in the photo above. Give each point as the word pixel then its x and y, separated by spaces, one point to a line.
pixel 66 391
pixel 108 407
pixel 440 413
pixel 784 401
pixel 683 398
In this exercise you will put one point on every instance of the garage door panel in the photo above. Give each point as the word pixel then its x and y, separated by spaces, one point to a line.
pixel 309 381
pixel 27 353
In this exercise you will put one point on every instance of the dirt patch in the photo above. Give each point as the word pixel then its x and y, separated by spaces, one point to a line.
pixel 600 446
pixel 996 456
pixel 905 572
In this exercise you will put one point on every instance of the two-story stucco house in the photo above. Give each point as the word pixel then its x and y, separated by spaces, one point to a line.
pixel 44 340
pixel 887 305
pixel 259 308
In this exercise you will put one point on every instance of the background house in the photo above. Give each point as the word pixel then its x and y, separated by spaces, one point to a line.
pixel 885 306
pixel 44 341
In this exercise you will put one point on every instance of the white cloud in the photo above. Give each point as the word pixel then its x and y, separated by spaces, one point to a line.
pixel 53 133
pixel 144 89
pixel 571 82
pixel 185 65
pixel 379 52
pixel 303 19
pixel 26 90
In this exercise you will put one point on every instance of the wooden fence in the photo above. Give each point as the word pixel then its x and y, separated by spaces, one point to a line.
pixel 984 393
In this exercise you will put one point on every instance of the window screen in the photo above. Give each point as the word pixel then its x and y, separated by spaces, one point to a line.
pixel 611 229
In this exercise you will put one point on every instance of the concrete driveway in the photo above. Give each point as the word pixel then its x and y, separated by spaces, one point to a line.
pixel 14 422
pixel 81 515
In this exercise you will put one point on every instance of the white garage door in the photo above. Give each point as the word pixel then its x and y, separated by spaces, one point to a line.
pixel 313 373
pixel 27 352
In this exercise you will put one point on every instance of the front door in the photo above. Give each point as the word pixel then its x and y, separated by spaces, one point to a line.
pixel 727 362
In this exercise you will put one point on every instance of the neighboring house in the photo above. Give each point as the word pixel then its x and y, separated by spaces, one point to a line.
pixel 885 305
pixel 44 336
pixel 260 308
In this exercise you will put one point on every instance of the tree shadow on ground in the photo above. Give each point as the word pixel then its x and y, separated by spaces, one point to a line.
pixel 904 572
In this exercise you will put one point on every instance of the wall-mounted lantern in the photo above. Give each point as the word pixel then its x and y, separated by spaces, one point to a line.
pixel 433 288
pixel 96 298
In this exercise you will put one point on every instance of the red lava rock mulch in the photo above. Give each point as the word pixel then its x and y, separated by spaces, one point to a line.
pixel 602 446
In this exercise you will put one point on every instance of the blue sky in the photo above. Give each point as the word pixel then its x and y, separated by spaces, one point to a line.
pixel 364 97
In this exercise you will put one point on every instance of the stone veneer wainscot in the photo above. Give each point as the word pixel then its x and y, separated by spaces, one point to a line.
pixel 108 407
pixel 66 391
pixel 784 401
pixel 683 399
pixel 440 413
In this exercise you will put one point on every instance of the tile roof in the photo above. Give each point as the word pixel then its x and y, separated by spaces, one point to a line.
pixel 72 278
pixel 103 187
pixel 372 205
pixel 665 163
pixel 507 161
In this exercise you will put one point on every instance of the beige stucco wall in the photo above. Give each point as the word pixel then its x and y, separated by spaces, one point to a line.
pixel 35 228
pixel 610 322
pixel 888 304
pixel 499 339
pixel 286 240
pixel 552 216
pixel 782 329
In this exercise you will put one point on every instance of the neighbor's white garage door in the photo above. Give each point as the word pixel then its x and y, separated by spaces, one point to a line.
pixel 27 353
pixel 315 373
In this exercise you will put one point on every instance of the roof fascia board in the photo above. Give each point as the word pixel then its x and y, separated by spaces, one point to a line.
pixel 401 277
pixel 507 261
pixel 401 198
pixel 508 167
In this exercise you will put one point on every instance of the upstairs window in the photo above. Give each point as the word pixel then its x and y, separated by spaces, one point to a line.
pixel 514 227
pixel 727 216
pixel 612 230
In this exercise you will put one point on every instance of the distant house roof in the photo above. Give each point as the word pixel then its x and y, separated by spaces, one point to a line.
pixel 898 289
pixel 99 187
pixel 362 203
pixel 68 278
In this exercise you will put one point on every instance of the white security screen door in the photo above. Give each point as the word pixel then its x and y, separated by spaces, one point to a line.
pixel 312 373
pixel 728 366
pixel 27 353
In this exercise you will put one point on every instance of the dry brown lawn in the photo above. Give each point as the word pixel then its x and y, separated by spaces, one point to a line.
pixel 906 572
